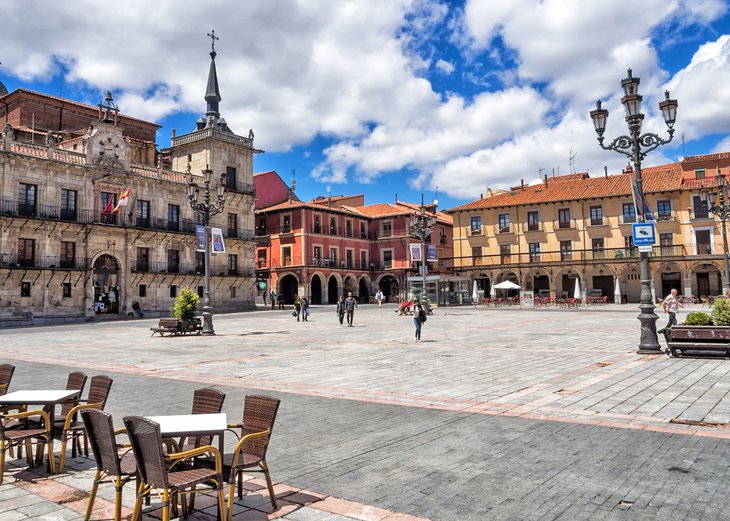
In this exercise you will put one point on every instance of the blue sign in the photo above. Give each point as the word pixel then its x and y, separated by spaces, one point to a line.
pixel 643 234
pixel 200 234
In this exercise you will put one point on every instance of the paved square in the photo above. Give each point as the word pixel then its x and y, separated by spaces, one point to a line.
pixel 497 414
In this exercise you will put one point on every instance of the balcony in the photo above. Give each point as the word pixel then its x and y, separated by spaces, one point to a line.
pixel 565 224
pixel 504 228
pixel 173 226
pixel 317 228
pixel 627 219
pixel 12 260
pixel 68 214
pixel 285 228
pixel 665 217
pixel 476 231
pixel 597 222
pixel 533 226
pixel 55 213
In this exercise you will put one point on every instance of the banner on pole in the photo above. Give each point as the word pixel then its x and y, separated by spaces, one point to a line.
pixel 200 235
pixel 415 252
pixel 431 257
pixel 219 246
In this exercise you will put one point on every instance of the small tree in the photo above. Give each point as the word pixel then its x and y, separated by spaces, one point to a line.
pixel 721 312
pixel 186 305
pixel 698 318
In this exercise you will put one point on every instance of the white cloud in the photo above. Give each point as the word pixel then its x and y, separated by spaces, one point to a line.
pixel 445 67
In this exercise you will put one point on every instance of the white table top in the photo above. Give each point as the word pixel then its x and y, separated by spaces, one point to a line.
pixel 191 424
pixel 37 397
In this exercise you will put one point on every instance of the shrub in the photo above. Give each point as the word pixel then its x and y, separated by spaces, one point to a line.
pixel 186 305
pixel 721 312
pixel 698 318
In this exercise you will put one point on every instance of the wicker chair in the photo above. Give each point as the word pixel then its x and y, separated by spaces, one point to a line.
pixel 110 465
pixel 74 429
pixel 156 469
pixel 205 401
pixel 25 435
pixel 6 375
pixel 259 414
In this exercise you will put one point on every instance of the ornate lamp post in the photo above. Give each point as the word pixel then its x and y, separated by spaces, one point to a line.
pixel 206 210
pixel 636 146
pixel 721 209
pixel 421 226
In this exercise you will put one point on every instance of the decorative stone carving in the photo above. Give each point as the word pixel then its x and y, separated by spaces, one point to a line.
pixel 106 147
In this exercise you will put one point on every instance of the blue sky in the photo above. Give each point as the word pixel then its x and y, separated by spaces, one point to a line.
pixel 392 96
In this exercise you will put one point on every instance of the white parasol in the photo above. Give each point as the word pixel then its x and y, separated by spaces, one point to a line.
pixel 506 284
pixel 617 292
pixel 475 292
pixel 576 293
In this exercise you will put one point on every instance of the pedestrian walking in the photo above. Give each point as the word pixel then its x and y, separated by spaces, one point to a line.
pixel 670 305
pixel 273 299
pixel 379 298
pixel 280 300
pixel 419 317
pixel 297 306
pixel 263 295
pixel 350 307
pixel 341 309
pixel 305 309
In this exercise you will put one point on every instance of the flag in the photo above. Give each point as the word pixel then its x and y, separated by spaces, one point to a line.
pixel 219 245
pixel 109 208
pixel 415 252
pixel 123 199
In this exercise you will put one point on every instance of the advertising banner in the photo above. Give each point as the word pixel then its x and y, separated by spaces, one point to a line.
pixel 200 235
pixel 216 235
pixel 415 252
pixel 431 257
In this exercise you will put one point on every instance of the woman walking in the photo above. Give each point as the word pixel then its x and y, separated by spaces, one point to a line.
pixel 419 317
pixel 341 309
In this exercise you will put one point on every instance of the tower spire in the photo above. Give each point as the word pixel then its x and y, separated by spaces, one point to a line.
pixel 212 93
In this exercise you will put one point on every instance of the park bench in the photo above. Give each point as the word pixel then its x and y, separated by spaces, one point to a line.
pixel 698 338
pixel 167 325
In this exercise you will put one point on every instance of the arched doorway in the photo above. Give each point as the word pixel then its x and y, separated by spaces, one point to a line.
pixel 288 286
pixel 332 290
pixel 349 285
pixel 389 286
pixel 106 285
pixel 316 289
pixel 364 290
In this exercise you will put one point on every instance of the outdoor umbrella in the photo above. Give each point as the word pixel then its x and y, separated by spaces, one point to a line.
pixel 493 291
pixel 475 292
pixel 617 292
pixel 576 293
pixel 507 284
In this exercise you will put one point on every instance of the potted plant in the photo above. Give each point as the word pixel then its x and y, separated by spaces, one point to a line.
pixel 185 308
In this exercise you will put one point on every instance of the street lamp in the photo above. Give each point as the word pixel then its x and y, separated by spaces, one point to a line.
pixel 421 226
pixel 206 210
pixel 636 146
pixel 721 209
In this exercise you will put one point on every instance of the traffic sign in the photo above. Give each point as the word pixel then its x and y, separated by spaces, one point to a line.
pixel 643 234
pixel 645 249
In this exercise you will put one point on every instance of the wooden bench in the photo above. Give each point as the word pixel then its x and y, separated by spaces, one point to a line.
pixel 698 338
pixel 194 325
pixel 167 325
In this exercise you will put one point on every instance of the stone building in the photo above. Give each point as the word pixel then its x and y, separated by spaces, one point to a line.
pixel 69 249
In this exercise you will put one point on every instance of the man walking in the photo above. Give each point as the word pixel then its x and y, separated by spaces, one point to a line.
pixel 341 309
pixel 670 306
pixel 379 298
pixel 305 308
pixel 273 299
pixel 350 307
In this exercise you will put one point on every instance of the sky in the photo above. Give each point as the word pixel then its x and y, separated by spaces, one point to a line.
pixel 386 97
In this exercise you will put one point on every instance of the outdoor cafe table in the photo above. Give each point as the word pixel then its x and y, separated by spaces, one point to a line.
pixel 192 425
pixel 45 398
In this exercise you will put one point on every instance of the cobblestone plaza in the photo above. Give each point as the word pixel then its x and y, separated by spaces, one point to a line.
pixel 497 414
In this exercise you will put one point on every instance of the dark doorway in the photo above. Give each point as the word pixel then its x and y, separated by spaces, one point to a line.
pixel 349 286
pixel 364 293
pixel 605 284
pixel 541 285
pixel 671 281
pixel 389 286
pixel 316 289
pixel 703 284
pixel 332 290
pixel 288 286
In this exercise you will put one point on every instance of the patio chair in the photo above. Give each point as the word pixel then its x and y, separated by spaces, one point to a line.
pixel 111 466
pixel 157 470
pixel 205 401
pixel 74 429
pixel 259 414
pixel 23 434
pixel 6 375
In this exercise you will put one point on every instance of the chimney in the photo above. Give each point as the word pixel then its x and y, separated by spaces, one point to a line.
pixel 481 196
pixel 546 183
pixel 522 183
pixel 173 133
pixel 605 171
pixel 396 198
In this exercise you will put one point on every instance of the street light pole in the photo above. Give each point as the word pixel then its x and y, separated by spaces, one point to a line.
pixel 636 146
pixel 206 210
pixel 421 228
pixel 721 210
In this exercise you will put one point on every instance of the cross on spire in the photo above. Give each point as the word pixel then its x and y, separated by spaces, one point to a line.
pixel 213 38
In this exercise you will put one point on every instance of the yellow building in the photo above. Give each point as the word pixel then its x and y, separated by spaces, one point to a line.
pixel 575 230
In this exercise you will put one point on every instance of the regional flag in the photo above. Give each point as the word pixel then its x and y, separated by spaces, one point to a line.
pixel 123 199
pixel 109 208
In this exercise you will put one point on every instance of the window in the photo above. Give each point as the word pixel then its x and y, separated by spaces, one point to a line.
pixel 66 289
pixel 286 256
pixel 317 228
pixel 68 205
pixel 261 259
pixel 333 256
pixel 387 229
pixel 286 223
pixel 387 259
pixel 476 225
pixel 629 246
pixel 363 259
pixel 597 245
pixel 363 231
pixel 261 228
pixel 26 252
pixel 534 248
pixel 230 177
pixel 68 255
pixel 564 218
pixel 317 254
pixel 700 173
pixel 349 254
pixel 348 228
pixel 173 261
pixel 108 202
pixel 533 221
pixel 201 292
pixel 27 199
pixel 143 290
pixel 699 208
pixel 143 259
pixel 233 225
pixel 143 213
pixel 476 255
pixel 333 226
pixel 503 221
pixel 232 292
pixel 173 291
pixel 505 253
pixel 566 250
pixel 666 242
pixel 596 215
pixel 25 289
pixel 232 264
pixel 663 210
pixel 199 261
pixel 442 235
pixel 703 239
pixel 629 213
pixel 173 217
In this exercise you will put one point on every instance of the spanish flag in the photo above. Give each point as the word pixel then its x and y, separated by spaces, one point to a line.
pixel 123 199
